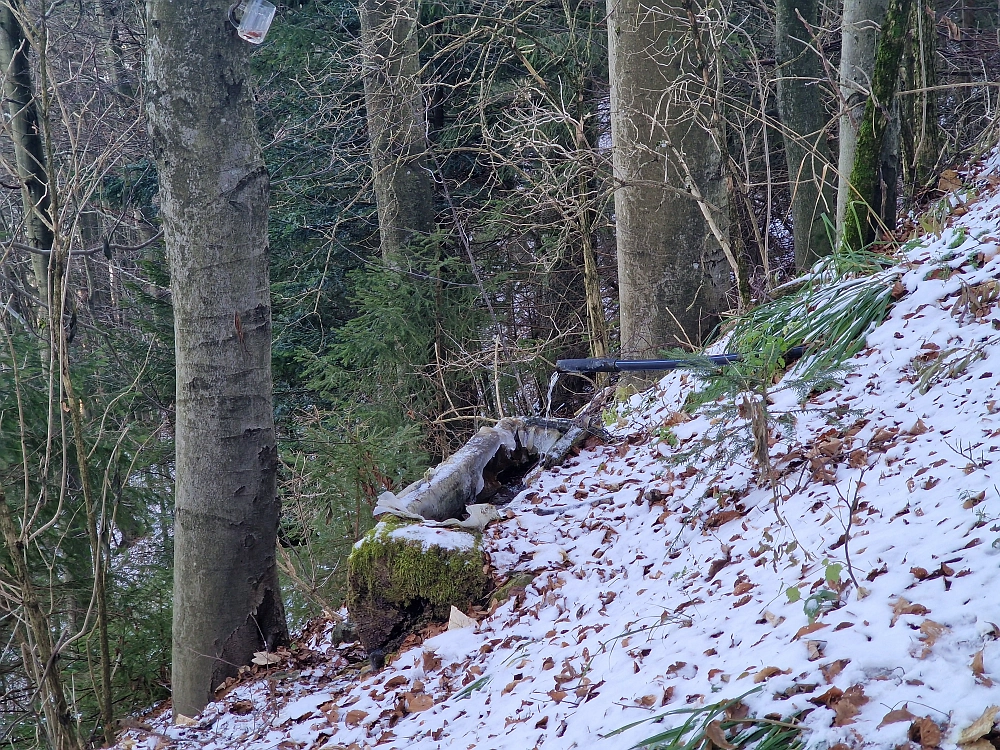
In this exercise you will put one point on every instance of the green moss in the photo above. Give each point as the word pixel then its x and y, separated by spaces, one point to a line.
pixel 401 572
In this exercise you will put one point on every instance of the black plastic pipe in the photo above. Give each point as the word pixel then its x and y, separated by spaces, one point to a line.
pixel 598 364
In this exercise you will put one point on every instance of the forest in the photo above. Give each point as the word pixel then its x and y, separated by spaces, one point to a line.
pixel 247 288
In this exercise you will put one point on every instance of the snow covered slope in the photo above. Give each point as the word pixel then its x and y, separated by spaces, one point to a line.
pixel 863 605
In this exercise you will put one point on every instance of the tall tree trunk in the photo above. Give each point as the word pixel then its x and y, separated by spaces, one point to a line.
pixel 214 198
pixel 862 19
pixel 397 124
pixel 921 136
pixel 804 121
pixel 28 148
pixel 862 216
pixel 670 201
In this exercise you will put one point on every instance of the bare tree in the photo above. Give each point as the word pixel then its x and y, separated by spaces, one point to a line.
pixel 214 202
pixel 397 124
pixel 804 121
pixel 859 29
pixel 670 199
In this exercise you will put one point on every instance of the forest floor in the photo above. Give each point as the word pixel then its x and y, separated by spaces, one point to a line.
pixel 851 602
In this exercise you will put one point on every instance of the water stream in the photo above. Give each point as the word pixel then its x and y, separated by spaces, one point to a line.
pixel 548 399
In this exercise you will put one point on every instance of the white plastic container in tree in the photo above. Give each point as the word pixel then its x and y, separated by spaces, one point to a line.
pixel 255 19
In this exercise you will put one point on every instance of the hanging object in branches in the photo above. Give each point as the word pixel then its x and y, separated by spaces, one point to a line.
pixel 255 18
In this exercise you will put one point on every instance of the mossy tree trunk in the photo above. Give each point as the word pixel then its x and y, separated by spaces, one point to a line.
pixel 397 124
pixel 861 219
pixel 673 276
pixel 214 200
pixel 804 122
pixel 861 22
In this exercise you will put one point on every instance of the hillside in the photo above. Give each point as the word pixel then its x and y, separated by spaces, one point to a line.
pixel 859 607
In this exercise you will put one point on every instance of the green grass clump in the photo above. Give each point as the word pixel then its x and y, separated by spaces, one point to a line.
pixel 710 726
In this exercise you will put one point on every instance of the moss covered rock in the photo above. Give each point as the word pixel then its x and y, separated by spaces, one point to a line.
pixel 402 575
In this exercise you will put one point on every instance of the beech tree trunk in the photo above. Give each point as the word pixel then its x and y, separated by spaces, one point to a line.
pixel 673 277
pixel 397 124
pixel 29 153
pixel 868 193
pixel 860 25
pixel 214 198
pixel 804 121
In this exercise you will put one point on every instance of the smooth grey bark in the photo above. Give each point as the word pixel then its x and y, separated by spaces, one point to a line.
pixel 804 121
pixel 672 274
pixel 860 25
pixel 871 192
pixel 29 152
pixel 213 200
pixel 397 124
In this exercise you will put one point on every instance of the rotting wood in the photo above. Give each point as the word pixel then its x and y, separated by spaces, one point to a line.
pixel 449 490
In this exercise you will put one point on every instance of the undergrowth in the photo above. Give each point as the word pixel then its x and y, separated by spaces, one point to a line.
pixel 725 724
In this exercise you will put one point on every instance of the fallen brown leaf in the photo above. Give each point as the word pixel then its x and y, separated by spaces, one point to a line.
pixel 834 668
pixel 431 661
pixel 849 705
pixel 807 629
pixel 418 702
pixel 355 717
pixel 717 736
pixel 930 631
pixel 241 708
pixel 767 673
pixel 903 607
pixel 895 716
pixel 829 698
pixel 926 732
pixel 980 727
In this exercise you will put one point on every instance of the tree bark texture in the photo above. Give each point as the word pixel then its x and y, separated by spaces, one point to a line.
pixel 862 215
pixel 397 124
pixel 672 274
pixel 860 25
pixel 921 136
pixel 214 198
pixel 804 122
pixel 29 153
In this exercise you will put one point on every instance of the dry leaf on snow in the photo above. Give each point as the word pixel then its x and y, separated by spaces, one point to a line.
pixel 930 632
pixel 979 669
pixel 431 661
pixel 846 704
pixel 715 733
pixel 241 708
pixel 264 658
pixel 834 668
pixel 418 702
pixel 980 727
pixel 903 607
pixel 767 673
pixel 355 717
pixel 926 732
pixel 895 716
pixel 807 629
